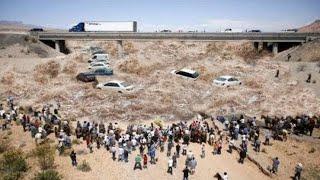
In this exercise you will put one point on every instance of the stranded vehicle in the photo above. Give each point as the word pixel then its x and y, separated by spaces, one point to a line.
pixel 226 81
pixel 186 73
pixel 91 76
pixel 115 85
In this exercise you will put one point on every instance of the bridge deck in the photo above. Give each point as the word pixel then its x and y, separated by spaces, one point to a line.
pixel 263 37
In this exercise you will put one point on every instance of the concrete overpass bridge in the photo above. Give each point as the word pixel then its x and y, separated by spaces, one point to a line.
pixel 264 40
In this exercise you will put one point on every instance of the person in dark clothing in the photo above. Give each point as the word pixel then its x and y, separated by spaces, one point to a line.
pixel 277 73
pixel 243 155
pixel 298 171
pixel 73 157
pixel 141 149
pixel 178 150
pixel 309 78
pixel 312 124
pixel 186 173
pixel 289 56
pixel 126 155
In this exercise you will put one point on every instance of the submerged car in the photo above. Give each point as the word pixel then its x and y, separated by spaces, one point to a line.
pixel 226 81
pixel 86 77
pixel 99 57
pixel 186 73
pixel 91 76
pixel 119 86
pixel 97 65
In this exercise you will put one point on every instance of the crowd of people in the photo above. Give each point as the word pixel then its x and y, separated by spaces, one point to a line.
pixel 156 138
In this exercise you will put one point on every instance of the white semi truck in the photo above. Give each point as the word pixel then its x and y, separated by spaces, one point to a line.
pixel 105 26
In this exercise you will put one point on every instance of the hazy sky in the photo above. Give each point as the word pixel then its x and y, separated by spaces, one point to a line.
pixel 211 15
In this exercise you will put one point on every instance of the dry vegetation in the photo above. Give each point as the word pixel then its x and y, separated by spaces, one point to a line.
pixel 8 78
pixel 70 68
pixel 45 71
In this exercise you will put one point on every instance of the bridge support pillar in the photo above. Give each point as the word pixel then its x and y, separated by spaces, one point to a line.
pixel 275 48
pixel 264 45
pixel 256 46
pixel 120 48
pixel 57 45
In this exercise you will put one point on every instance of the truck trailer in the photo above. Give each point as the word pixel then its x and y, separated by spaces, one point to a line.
pixel 105 26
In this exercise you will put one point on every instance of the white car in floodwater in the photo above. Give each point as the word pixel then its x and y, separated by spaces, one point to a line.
pixel 98 65
pixel 116 85
pixel 226 81
pixel 188 73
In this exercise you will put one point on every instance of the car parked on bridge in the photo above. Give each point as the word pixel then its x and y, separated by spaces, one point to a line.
pixel 254 31
pixel 166 31
pixel 36 30
pixel 226 81
pixel 116 85
pixel 187 73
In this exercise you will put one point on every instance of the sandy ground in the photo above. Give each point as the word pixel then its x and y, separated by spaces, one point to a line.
pixel 103 167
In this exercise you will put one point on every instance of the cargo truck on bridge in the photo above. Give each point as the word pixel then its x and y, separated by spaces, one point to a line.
pixel 105 26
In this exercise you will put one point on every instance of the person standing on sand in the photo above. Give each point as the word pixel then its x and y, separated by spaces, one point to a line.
pixel 113 151
pixel 137 162
pixel 203 151
pixel 243 155
pixel 186 172
pixel 145 161
pixel 225 176
pixel 298 171
pixel 170 164
pixel 125 154
pixel 178 150
pixel 174 158
pixel 184 149
pixel 231 145
pixel 275 165
pixel 73 157
pixel 193 165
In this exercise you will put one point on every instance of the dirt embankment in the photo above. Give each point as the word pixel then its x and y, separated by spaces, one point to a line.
pixel 24 46
pixel 307 52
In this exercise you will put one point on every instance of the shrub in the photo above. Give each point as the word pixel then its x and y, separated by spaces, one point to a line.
pixel 70 68
pixel 84 166
pixel 27 38
pixel 4 145
pixel 8 78
pixel 312 150
pixel 80 58
pixel 13 164
pixel 48 175
pixel 47 70
pixel 45 154
pixel 129 48
pixel 34 40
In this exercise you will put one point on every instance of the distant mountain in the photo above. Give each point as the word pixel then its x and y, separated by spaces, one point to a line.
pixel 10 22
pixel 313 27
pixel 19 26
